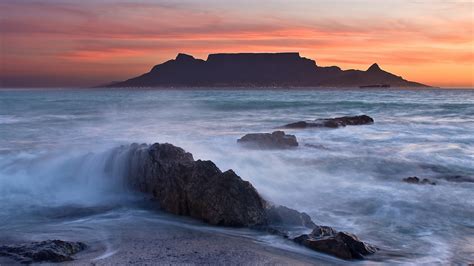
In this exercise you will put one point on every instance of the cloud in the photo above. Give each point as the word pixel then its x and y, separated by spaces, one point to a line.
pixel 131 36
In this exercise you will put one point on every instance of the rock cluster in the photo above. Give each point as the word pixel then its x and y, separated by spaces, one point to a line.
pixel 333 122
pixel 416 180
pixel 275 140
pixel 44 251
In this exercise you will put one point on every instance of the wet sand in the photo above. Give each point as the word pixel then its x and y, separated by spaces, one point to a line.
pixel 143 237
pixel 147 243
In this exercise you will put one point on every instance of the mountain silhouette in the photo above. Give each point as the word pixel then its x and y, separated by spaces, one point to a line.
pixel 260 70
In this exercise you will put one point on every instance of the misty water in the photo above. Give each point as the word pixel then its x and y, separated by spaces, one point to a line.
pixel 54 145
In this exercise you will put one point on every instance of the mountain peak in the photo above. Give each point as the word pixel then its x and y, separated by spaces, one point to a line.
pixel 374 67
pixel 184 57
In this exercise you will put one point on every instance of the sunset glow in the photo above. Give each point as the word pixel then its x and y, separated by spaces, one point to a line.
pixel 86 43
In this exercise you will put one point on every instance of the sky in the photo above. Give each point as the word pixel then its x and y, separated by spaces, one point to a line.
pixel 85 43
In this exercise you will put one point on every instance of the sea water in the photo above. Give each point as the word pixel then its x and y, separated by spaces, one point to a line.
pixel 54 145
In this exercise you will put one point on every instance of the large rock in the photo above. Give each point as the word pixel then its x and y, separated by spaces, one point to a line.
pixel 340 244
pixel 192 188
pixel 44 251
pixel 333 122
pixel 275 140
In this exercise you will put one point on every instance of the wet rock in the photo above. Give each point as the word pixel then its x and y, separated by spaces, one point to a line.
pixel 416 180
pixel 316 146
pixel 275 140
pixel 333 122
pixel 300 124
pixel 44 251
pixel 192 188
pixel 340 244
pixel 284 216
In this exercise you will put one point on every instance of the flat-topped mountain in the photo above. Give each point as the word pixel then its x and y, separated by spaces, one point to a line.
pixel 259 70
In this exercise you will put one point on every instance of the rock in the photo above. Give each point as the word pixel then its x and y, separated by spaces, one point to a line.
pixel 192 188
pixel 340 244
pixel 416 180
pixel 44 251
pixel 445 173
pixel 299 124
pixel 275 140
pixel 284 216
pixel 333 122
pixel 316 146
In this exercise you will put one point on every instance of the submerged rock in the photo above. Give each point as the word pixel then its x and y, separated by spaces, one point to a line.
pixel 275 140
pixel 316 146
pixel 44 251
pixel 333 122
pixel 284 216
pixel 416 180
pixel 340 244
pixel 457 178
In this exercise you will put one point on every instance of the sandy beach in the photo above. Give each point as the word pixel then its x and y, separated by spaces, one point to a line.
pixel 149 237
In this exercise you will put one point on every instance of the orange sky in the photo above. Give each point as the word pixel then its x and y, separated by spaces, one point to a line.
pixel 86 43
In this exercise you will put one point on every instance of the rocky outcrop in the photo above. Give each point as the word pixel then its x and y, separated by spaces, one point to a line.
pixel 184 186
pixel 333 122
pixel 340 244
pixel 192 188
pixel 416 180
pixel 44 251
pixel 258 70
pixel 275 140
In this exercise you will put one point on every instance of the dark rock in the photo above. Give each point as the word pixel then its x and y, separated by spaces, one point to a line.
pixel 416 180
pixel 192 188
pixel 299 124
pixel 44 251
pixel 333 122
pixel 316 146
pixel 348 121
pixel 340 244
pixel 446 173
pixel 275 140
pixel 284 216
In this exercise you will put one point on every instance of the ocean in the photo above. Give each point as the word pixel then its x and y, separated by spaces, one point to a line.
pixel 54 144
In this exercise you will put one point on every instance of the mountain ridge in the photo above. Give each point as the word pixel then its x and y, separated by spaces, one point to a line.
pixel 286 69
